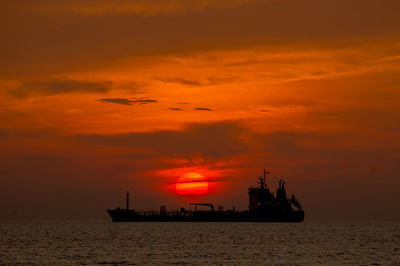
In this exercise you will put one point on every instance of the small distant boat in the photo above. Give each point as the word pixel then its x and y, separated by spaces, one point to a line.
pixel 264 206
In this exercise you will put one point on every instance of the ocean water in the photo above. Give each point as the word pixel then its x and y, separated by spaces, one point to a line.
pixel 107 243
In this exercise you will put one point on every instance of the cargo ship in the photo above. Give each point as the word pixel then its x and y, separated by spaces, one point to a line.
pixel 264 206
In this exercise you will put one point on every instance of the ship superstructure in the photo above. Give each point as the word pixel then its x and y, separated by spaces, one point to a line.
pixel 264 206
pixel 262 200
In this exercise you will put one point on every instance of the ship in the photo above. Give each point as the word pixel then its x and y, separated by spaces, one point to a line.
pixel 264 206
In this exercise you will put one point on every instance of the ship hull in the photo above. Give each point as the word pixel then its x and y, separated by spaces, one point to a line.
pixel 124 215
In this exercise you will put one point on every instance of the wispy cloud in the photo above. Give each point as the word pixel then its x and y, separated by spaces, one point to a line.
pixel 143 101
pixel 59 86
pixel 196 83
pixel 116 100
pixel 126 101
pixel 175 109
pixel 202 109
pixel 182 81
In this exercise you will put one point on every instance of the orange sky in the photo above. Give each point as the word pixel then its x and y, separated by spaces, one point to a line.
pixel 100 97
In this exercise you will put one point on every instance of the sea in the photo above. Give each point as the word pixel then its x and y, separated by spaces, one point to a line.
pixel 101 242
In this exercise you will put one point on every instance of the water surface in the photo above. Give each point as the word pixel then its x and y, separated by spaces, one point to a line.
pixel 104 242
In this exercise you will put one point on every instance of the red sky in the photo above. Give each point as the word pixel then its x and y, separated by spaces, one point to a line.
pixel 100 97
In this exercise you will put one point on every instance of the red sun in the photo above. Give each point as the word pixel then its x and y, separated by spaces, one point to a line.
pixel 191 184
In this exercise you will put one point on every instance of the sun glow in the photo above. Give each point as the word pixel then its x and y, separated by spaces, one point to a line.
pixel 191 184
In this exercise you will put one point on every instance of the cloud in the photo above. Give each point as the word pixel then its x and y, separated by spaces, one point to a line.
pixel 126 101
pixel 143 101
pixel 175 109
pixel 215 140
pixel 133 87
pixel 202 109
pixel 116 100
pixel 287 101
pixel 195 83
pixel 133 36
pixel 182 81
pixel 146 7
pixel 59 86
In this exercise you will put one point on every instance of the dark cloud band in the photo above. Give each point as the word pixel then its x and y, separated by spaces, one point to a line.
pixel 126 101
pixel 202 109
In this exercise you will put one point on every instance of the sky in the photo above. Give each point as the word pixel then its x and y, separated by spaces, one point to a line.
pixel 103 97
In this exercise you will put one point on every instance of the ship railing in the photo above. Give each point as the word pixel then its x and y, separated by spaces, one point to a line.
pixel 167 213
pixel 186 213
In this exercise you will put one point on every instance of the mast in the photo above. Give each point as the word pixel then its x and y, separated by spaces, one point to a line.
pixel 127 200
pixel 264 175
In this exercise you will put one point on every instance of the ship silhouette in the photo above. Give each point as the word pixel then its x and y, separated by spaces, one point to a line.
pixel 264 206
